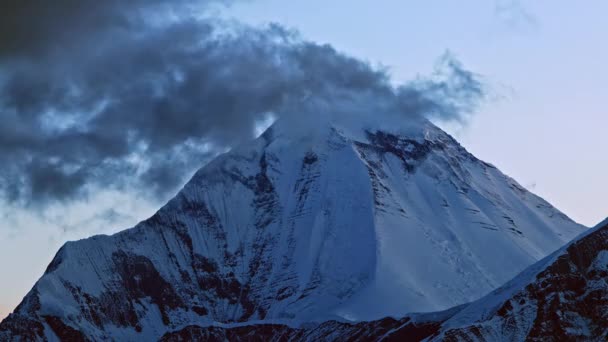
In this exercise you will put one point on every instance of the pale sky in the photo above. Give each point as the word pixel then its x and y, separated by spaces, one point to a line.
pixel 544 59
pixel 543 125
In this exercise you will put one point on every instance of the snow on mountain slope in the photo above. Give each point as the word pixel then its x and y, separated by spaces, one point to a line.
pixel 560 298
pixel 304 224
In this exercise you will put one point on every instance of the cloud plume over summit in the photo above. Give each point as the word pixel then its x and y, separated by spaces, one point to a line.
pixel 124 94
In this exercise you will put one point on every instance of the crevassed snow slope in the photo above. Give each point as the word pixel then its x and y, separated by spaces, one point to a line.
pixel 356 221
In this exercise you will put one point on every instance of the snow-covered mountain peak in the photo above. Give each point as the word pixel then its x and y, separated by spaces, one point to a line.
pixel 322 133
pixel 314 128
pixel 348 219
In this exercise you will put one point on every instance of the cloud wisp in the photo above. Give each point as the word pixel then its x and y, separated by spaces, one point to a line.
pixel 139 94
pixel 514 14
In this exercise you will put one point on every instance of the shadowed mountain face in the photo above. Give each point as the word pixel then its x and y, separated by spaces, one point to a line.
pixel 324 224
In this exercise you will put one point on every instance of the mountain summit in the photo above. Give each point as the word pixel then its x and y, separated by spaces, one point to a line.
pixel 309 222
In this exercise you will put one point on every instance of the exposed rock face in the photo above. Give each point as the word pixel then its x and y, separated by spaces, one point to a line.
pixel 355 224
pixel 387 329
pixel 561 298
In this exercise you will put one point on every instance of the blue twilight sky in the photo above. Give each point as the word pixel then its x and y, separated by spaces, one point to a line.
pixel 543 125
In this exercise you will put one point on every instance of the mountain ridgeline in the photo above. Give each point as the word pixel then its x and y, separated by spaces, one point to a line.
pixel 322 233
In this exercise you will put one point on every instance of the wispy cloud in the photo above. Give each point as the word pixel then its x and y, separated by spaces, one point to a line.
pixel 515 15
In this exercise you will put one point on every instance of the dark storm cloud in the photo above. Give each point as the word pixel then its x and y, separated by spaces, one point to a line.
pixel 112 94
pixel 30 27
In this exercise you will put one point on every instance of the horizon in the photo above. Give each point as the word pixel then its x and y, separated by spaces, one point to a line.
pixel 538 117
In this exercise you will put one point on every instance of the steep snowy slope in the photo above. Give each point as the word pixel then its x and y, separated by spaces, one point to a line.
pixel 306 224
pixel 560 298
